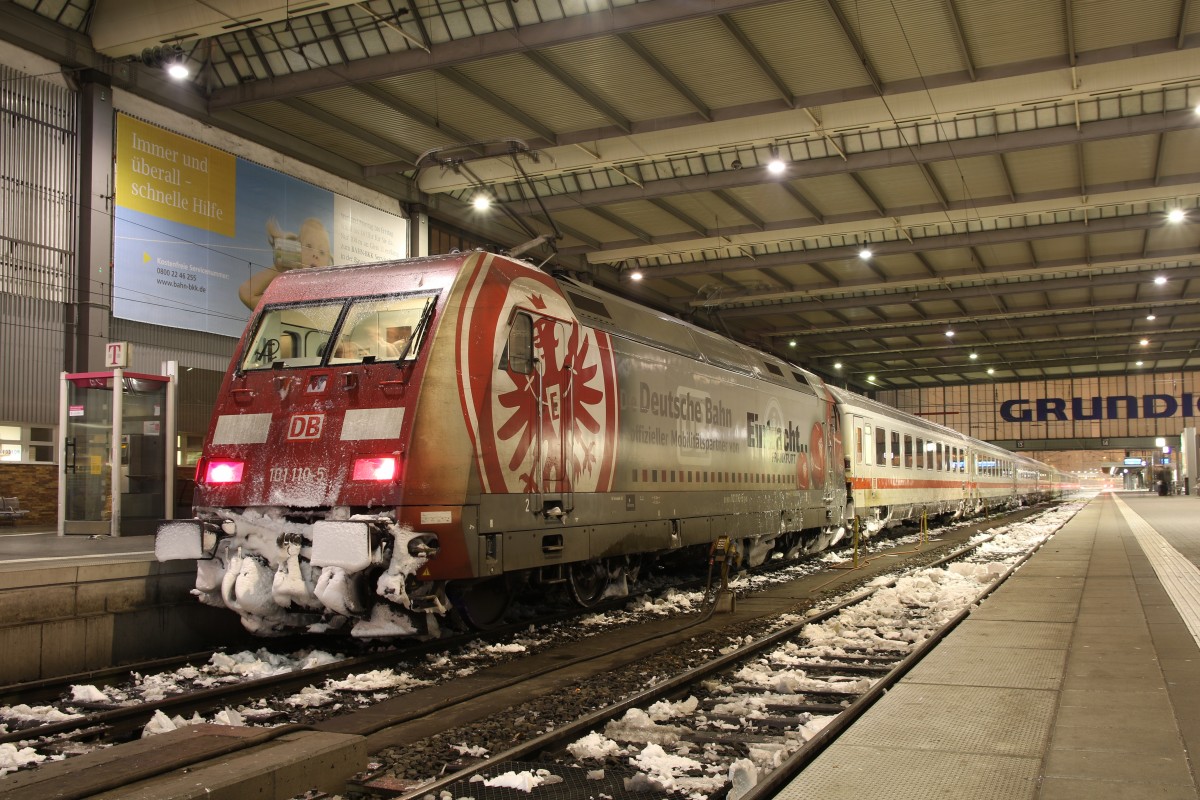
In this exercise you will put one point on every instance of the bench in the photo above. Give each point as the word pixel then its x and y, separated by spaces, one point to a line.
pixel 10 509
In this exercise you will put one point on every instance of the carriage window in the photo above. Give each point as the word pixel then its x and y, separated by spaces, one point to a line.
pixel 895 448
pixel 937 456
pixel 520 345
pixel 858 446
pixel 881 447
pixel 920 453
pixel 908 451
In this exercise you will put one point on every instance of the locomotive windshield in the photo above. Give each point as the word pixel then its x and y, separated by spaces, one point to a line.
pixel 377 329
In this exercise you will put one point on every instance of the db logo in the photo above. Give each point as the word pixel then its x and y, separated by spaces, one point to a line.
pixel 305 426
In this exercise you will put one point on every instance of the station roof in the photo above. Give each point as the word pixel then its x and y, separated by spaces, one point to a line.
pixel 1012 167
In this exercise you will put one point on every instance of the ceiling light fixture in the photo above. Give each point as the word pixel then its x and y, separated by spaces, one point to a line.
pixel 1151 317
pixel 775 166
pixel 865 253
pixel 950 334
pixel 792 343
pixel 991 371
pixel 481 202
pixel 870 379
pixel 636 275
pixel 178 71
pixel 1144 342
pixel 1160 280
pixel 1175 215
pixel 837 365
pixel 974 356
pixel 1137 363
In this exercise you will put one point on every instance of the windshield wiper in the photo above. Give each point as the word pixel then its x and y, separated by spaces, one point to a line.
pixel 419 333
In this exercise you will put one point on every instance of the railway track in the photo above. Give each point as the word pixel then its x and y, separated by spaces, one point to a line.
pixel 440 705
pixel 744 721
pixel 219 681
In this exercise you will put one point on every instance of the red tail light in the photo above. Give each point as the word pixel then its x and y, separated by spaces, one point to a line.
pixel 377 468
pixel 223 471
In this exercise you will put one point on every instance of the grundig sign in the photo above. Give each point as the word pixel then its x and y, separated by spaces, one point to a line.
pixel 1060 409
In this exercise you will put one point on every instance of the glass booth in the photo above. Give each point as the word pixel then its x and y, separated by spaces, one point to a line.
pixel 117 455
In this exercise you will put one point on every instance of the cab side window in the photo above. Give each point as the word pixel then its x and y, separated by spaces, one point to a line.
pixel 519 352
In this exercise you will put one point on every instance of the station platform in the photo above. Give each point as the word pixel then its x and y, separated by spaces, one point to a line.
pixel 1078 677
pixel 74 604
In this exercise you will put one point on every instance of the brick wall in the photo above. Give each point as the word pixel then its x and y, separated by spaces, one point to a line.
pixel 36 486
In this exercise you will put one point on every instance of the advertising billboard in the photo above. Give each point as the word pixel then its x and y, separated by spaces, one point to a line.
pixel 199 233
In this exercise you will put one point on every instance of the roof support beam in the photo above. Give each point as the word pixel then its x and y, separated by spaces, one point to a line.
pixel 1013 235
pixel 872 75
pixel 1185 8
pixel 1028 345
pixel 983 206
pixel 411 111
pixel 1184 119
pixel 679 215
pixel 608 216
pixel 961 38
pixel 1069 15
pixel 741 208
pixel 499 103
pixel 1011 280
pixel 862 185
pixel 575 85
pixel 667 75
pixel 937 326
pixel 342 124
pixel 799 197
pixel 780 86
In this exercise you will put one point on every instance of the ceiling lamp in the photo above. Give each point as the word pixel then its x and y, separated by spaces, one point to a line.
pixel 776 166
pixel 636 275
pixel 1175 215
pixel 991 371
pixel 865 253
pixel 837 365
pixel 1137 363
pixel 1144 342
pixel 178 71
pixel 974 356
pixel 950 333
pixel 1160 280
pixel 1150 317
pixel 481 202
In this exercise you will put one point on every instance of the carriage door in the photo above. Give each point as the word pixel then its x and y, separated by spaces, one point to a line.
pixel 553 345
pixel 863 455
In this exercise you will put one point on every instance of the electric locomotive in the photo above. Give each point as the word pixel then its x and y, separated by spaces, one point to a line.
pixel 399 441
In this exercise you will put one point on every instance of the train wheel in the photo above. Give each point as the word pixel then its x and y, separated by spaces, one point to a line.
pixel 483 603
pixel 588 580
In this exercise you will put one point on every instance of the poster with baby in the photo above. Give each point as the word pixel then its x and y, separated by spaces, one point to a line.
pixel 199 233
